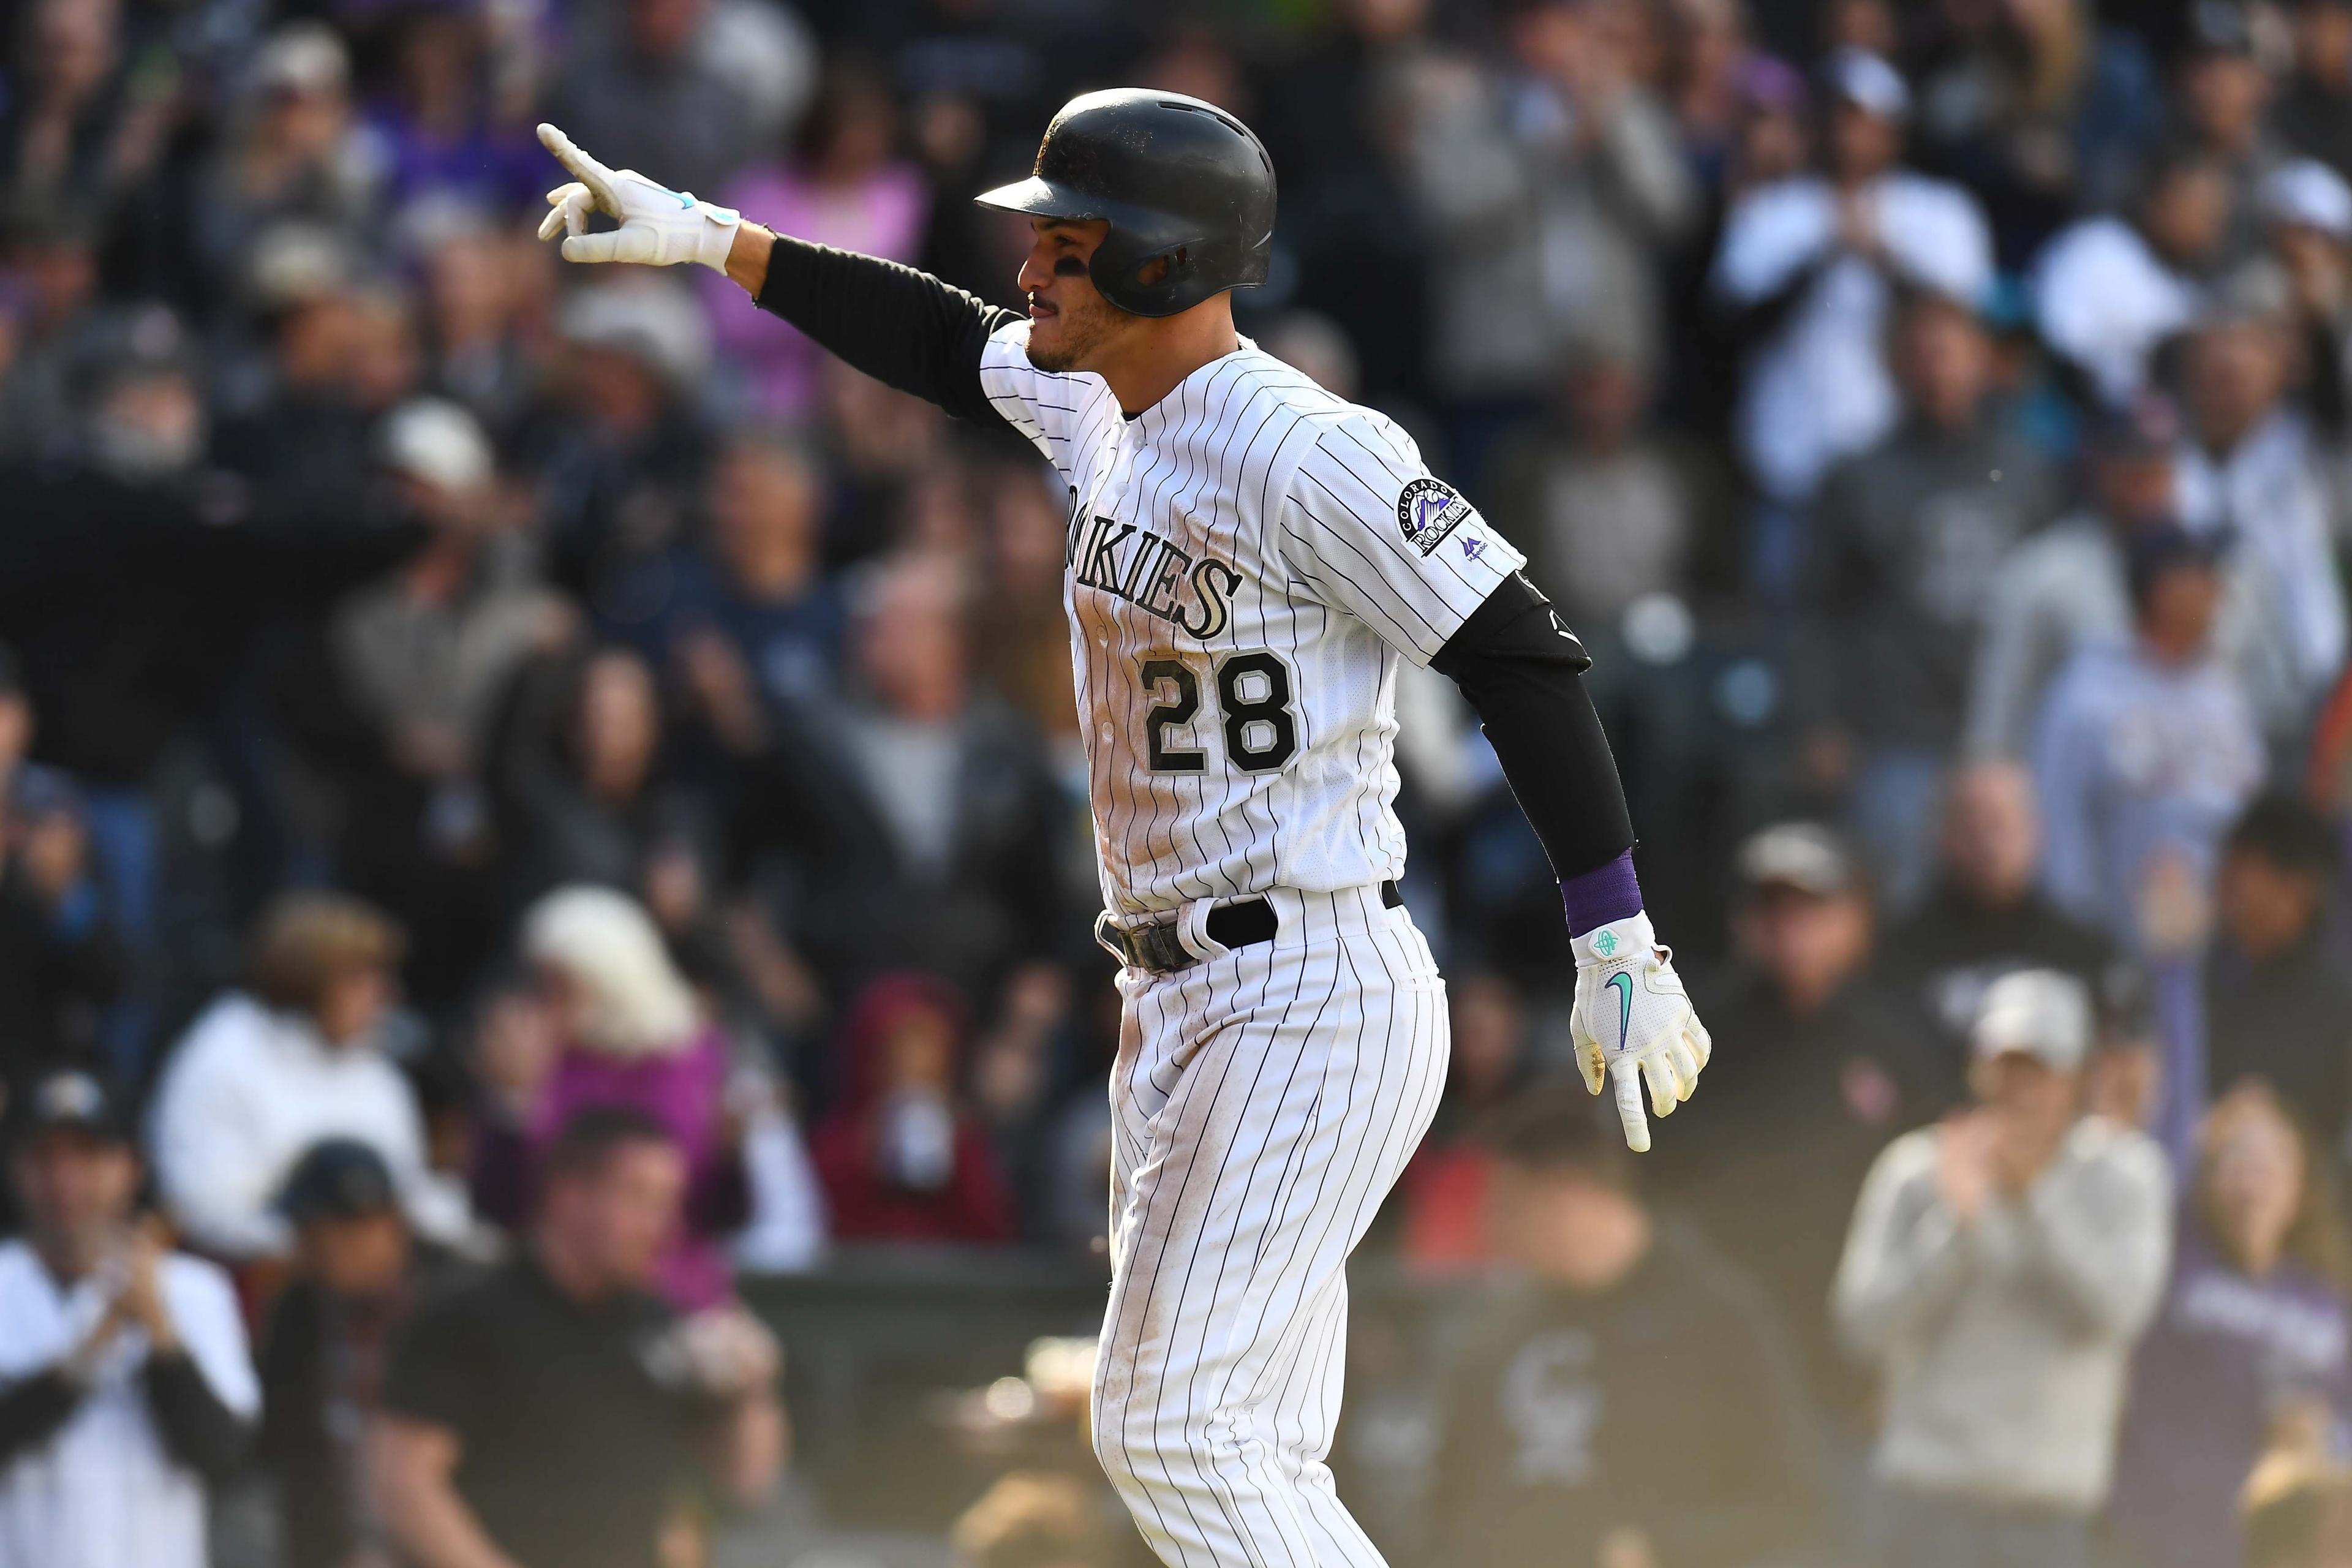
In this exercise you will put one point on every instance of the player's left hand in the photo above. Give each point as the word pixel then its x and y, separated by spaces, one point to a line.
pixel 1633 1023
pixel 659 227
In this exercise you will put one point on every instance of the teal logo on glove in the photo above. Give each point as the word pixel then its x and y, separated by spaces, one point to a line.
pixel 1621 983
pixel 1606 943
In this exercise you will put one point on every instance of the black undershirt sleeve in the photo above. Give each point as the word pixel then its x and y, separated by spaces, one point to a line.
pixel 1522 669
pixel 904 328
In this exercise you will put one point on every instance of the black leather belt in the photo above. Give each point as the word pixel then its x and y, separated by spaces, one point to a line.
pixel 1244 922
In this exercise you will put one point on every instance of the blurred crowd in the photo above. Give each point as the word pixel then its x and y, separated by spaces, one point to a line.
pixel 527 799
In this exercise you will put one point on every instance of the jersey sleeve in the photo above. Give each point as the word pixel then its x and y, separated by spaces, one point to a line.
pixel 1364 527
pixel 1047 407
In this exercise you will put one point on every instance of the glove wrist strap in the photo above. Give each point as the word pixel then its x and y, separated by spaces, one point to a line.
pixel 1615 941
pixel 714 240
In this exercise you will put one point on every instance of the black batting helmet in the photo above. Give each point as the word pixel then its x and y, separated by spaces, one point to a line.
pixel 1178 180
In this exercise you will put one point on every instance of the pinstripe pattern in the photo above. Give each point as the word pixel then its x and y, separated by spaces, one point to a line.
pixel 1265 1099
pixel 1287 499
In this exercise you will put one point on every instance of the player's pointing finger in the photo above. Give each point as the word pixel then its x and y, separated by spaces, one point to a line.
pixel 591 173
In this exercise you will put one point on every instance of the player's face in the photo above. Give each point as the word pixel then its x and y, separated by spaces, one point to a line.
pixel 1069 321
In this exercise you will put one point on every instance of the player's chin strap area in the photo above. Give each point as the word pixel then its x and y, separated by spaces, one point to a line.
pixel 1159 947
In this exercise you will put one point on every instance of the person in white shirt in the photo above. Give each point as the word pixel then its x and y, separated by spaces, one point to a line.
pixel 125 1385
pixel 2000 1267
pixel 264 1073
pixel 2109 290
pixel 1814 260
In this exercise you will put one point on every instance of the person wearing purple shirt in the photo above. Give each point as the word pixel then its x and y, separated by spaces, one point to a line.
pixel 2254 1328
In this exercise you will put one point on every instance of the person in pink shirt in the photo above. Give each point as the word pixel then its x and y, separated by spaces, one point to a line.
pixel 842 186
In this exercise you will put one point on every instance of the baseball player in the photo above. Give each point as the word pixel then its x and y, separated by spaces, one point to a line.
pixel 1248 557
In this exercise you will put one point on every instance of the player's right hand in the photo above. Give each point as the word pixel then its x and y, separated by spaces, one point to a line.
pixel 1633 1023
pixel 659 227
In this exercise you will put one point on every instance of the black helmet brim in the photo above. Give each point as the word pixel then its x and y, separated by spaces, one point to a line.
pixel 1042 198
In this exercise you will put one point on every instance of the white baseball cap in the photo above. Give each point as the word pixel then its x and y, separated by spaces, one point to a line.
pixel 2038 1013
pixel 1868 81
pixel 439 442
pixel 2307 194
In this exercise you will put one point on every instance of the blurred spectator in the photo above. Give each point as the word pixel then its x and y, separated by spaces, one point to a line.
pixel 2253 1321
pixel 2001 94
pixel 61 960
pixel 2253 471
pixel 1567 1436
pixel 125 1389
pixel 346 353
pixel 1999 1268
pixel 2110 290
pixel 916 808
pixel 558 1411
pixel 2223 91
pixel 1447 1193
pixel 268 1070
pixel 439 134
pixel 1014 1077
pixel 624 1030
pixel 486 300
pixel 844 186
pixel 754 593
pixel 1907 540
pixel 1341 131
pixel 52 267
pixel 1812 262
pixel 2067 586
pixel 86 128
pixel 2313 113
pixel 621 450
pixel 1985 913
pixel 1546 191
pixel 1035 1519
pixel 422 662
pixel 902 1155
pixel 358 1274
pixel 645 83
pixel 585 791
pixel 1027 658
pixel 2278 997
pixel 2143 755
pixel 1608 507
pixel 292 154
pixel 1815 1076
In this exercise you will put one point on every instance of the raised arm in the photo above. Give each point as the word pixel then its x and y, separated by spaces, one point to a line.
pixel 902 327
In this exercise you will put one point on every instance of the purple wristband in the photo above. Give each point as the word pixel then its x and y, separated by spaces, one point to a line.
pixel 1605 893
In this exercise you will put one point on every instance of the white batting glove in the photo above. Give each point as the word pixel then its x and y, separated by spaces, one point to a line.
pixel 1633 1023
pixel 659 227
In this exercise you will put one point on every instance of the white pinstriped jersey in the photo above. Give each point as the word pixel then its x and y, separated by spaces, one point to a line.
pixel 1246 561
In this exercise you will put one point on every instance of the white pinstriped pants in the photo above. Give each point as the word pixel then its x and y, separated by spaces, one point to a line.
pixel 1263 1102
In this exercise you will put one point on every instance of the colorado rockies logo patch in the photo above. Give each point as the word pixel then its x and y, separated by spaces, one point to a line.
pixel 1429 510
